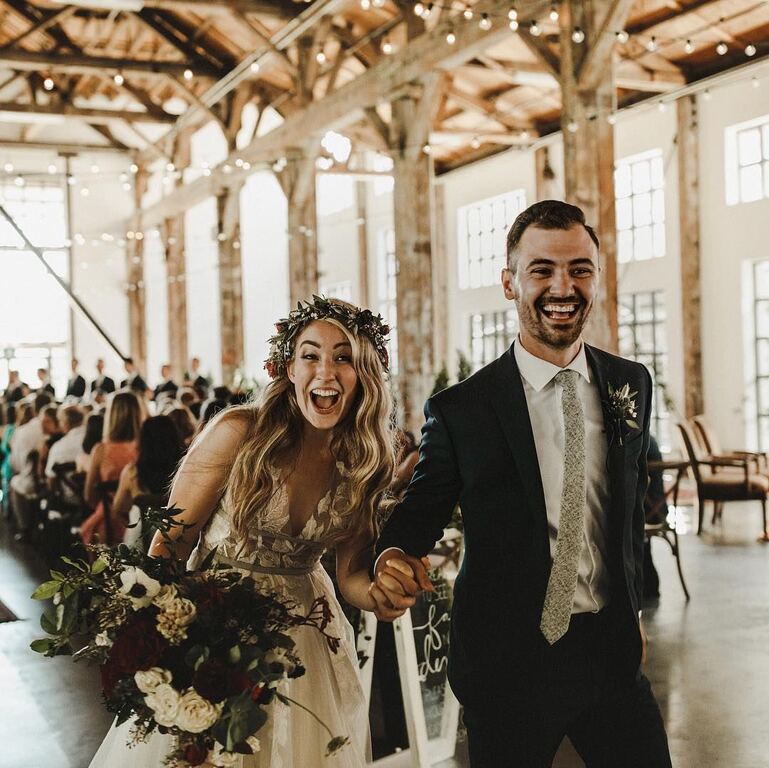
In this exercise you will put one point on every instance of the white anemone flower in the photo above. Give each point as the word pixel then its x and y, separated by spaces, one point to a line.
pixel 138 587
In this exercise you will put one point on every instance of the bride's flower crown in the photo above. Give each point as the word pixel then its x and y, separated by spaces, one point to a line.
pixel 361 322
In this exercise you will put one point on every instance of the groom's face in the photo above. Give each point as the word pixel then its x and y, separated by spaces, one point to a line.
pixel 553 284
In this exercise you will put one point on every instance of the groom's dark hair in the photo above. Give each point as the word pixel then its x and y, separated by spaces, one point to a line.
pixel 546 214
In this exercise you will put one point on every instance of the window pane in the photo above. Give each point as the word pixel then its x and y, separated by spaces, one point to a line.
pixel 749 146
pixel 762 319
pixel 765 140
pixel 642 246
pixel 751 187
pixel 641 177
pixel 658 205
pixel 762 357
pixel 625 246
pixel 642 210
pixel 761 275
pixel 624 209
pixel 658 236
pixel 473 221
pixel 486 222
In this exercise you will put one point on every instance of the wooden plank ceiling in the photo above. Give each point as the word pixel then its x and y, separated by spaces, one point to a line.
pixel 131 71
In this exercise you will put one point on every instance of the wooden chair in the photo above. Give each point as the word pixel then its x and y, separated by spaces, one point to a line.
pixel 657 524
pixel 712 446
pixel 723 486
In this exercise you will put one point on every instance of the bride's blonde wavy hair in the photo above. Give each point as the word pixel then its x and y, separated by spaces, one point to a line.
pixel 362 441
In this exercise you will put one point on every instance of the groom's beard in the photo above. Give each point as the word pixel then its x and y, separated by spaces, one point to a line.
pixel 556 336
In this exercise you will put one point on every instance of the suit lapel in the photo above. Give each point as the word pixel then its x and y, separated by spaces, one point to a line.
pixel 509 402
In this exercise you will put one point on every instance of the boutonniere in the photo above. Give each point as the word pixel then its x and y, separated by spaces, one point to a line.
pixel 622 410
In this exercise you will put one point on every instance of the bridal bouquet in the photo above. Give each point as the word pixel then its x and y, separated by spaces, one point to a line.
pixel 195 654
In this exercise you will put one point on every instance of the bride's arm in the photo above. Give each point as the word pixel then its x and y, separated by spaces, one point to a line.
pixel 199 482
pixel 353 560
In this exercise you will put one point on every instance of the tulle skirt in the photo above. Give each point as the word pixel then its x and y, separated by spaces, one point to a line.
pixel 291 738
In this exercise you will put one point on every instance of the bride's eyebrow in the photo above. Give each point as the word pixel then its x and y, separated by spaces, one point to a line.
pixel 317 346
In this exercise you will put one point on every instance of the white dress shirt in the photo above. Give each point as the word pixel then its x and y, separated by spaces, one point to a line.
pixel 65 450
pixel 543 398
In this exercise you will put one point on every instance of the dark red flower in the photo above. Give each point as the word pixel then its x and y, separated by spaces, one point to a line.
pixel 195 754
pixel 210 680
pixel 280 327
pixel 239 681
pixel 269 366
pixel 256 692
pixel 138 646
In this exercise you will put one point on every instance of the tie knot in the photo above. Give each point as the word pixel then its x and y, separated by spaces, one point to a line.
pixel 567 379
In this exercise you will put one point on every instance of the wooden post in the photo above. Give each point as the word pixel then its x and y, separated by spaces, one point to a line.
pixel 545 177
pixel 176 272
pixel 689 220
pixel 412 171
pixel 135 279
pixel 588 141
pixel 440 277
pixel 361 198
pixel 298 182
pixel 230 284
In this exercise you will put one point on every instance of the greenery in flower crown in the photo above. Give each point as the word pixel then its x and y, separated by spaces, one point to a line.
pixel 361 322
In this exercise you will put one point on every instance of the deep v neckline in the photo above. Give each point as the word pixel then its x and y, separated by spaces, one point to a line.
pixel 328 497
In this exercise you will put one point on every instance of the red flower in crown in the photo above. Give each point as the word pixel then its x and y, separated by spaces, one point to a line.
pixel 280 327
pixel 269 366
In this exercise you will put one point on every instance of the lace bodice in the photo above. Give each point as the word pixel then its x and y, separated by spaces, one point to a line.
pixel 271 544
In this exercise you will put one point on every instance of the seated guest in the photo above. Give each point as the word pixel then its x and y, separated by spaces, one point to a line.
pixel 160 451
pixel 133 379
pixel 184 422
pixel 16 389
pixel 75 383
pixel 193 377
pixel 67 449
pixel 44 382
pixel 94 426
pixel 9 426
pixel 167 386
pixel 25 445
pixel 186 396
pixel 208 411
pixel 102 382
pixel 51 435
pixel 122 423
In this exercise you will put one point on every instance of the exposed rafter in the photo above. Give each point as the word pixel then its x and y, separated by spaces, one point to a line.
pixel 80 113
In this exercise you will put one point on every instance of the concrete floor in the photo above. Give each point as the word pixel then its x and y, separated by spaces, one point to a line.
pixel 708 661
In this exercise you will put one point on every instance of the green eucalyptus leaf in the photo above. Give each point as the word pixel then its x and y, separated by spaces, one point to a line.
pixel 48 624
pixel 43 645
pixel 98 565
pixel 46 590
pixel 235 654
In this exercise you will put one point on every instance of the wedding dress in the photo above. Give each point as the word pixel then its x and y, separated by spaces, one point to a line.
pixel 290 567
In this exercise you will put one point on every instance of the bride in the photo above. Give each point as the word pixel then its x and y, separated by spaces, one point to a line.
pixel 271 488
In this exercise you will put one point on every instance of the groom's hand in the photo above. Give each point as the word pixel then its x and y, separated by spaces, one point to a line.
pixel 401 577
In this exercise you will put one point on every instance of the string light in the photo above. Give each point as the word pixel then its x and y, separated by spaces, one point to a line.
pixel 468 13
pixel 513 25
pixel 722 48
pixel 612 118
pixel 52 169
pixel 254 67
pixel 419 9
pixel 475 143
pixel 750 50
pixel 48 84
pixel 365 4
pixel 451 38
pixel 320 57
pixel 8 167
pixel 188 74
pixel 572 126
pixel 554 13
pixel 706 94
pixel 170 167
pixel 689 46
pixel 755 82
pixel 661 106
pixel 71 180
pixel 651 46
pixel 85 192
pixel 512 14
pixel 534 29
pixel 133 168
pixel 118 78
pixel 378 3
pixel 126 186
pixel 427 11
pixel 622 37
pixel 578 36
pixel 19 181
pixel 427 149
pixel 485 22
pixel 387 47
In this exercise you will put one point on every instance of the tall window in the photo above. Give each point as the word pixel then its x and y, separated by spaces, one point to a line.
pixel 34 316
pixel 642 338
pixel 639 184
pixel 761 349
pixel 387 269
pixel 747 161
pixel 482 228
pixel 491 333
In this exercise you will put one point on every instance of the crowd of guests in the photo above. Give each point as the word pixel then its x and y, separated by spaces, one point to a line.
pixel 100 451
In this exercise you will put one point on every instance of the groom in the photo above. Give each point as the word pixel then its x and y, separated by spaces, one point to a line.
pixel 549 471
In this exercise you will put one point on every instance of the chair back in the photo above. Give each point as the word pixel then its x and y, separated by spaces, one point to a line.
pixel 707 435
pixel 693 453
pixel 69 485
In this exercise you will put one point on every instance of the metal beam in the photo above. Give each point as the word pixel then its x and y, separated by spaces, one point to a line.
pixel 33 61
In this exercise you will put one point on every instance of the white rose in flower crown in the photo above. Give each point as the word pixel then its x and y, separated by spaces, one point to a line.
pixel 147 680
pixel 138 587
pixel 195 713
pixel 165 702
pixel 168 593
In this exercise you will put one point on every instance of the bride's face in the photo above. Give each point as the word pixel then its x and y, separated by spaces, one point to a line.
pixel 322 372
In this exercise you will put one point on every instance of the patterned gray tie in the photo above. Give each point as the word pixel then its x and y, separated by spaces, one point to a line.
pixel 556 611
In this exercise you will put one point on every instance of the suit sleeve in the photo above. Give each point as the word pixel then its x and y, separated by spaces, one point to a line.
pixel 418 521
pixel 639 509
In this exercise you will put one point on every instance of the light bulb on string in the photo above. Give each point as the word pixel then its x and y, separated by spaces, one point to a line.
pixel 19 181
pixel 534 29
pixel 133 168
pixel 378 3
pixel 554 15
pixel 52 169
pixel 427 11
pixel 94 168
pixel 485 22
pixel 612 118
pixel 651 46
pixel 750 50
pixel 419 9
pixel 226 168
pixel 689 46
pixel 48 84
pixel 239 162
pixel 722 48
pixel 513 24
pixel 320 57
pixel 451 38
pixel 578 36
pixel 254 67
pixel 661 106
pixel 118 78
pixel 123 178
pixel 475 143
pixel 572 126
pixel 126 186
pixel 188 74
pixel 365 4
pixel 71 180
pixel 139 235
pixel 427 149
pixel 706 94
pixel 387 47
pixel 85 192
pixel 622 37
pixel 468 13
pixel 246 165
pixel 755 82
pixel 8 167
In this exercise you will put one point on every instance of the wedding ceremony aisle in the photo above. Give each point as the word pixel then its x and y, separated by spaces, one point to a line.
pixel 707 661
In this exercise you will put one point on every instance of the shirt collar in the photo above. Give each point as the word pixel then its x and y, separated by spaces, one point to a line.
pixel 539 373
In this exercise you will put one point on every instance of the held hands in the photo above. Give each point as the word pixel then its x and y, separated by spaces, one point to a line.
pixel 397 581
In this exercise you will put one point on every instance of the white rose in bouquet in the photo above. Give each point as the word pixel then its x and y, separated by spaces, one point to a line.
pixel 165 702
pixel 147 680
pixel 221 758
pixel 138 587
pixel 168 593
pixel 195 713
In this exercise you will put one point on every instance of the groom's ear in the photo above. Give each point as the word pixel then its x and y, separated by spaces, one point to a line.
pixel 508 284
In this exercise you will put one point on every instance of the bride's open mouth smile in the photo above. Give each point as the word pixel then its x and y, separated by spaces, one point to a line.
pixel 325 400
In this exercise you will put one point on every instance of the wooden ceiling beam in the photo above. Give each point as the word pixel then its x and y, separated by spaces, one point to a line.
pixel 81 63
pixel 542 50
pixel 279 9
pixel 34 15
pixel 675 9
pixel 84 113
pixel 40 26
pixel 601 48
